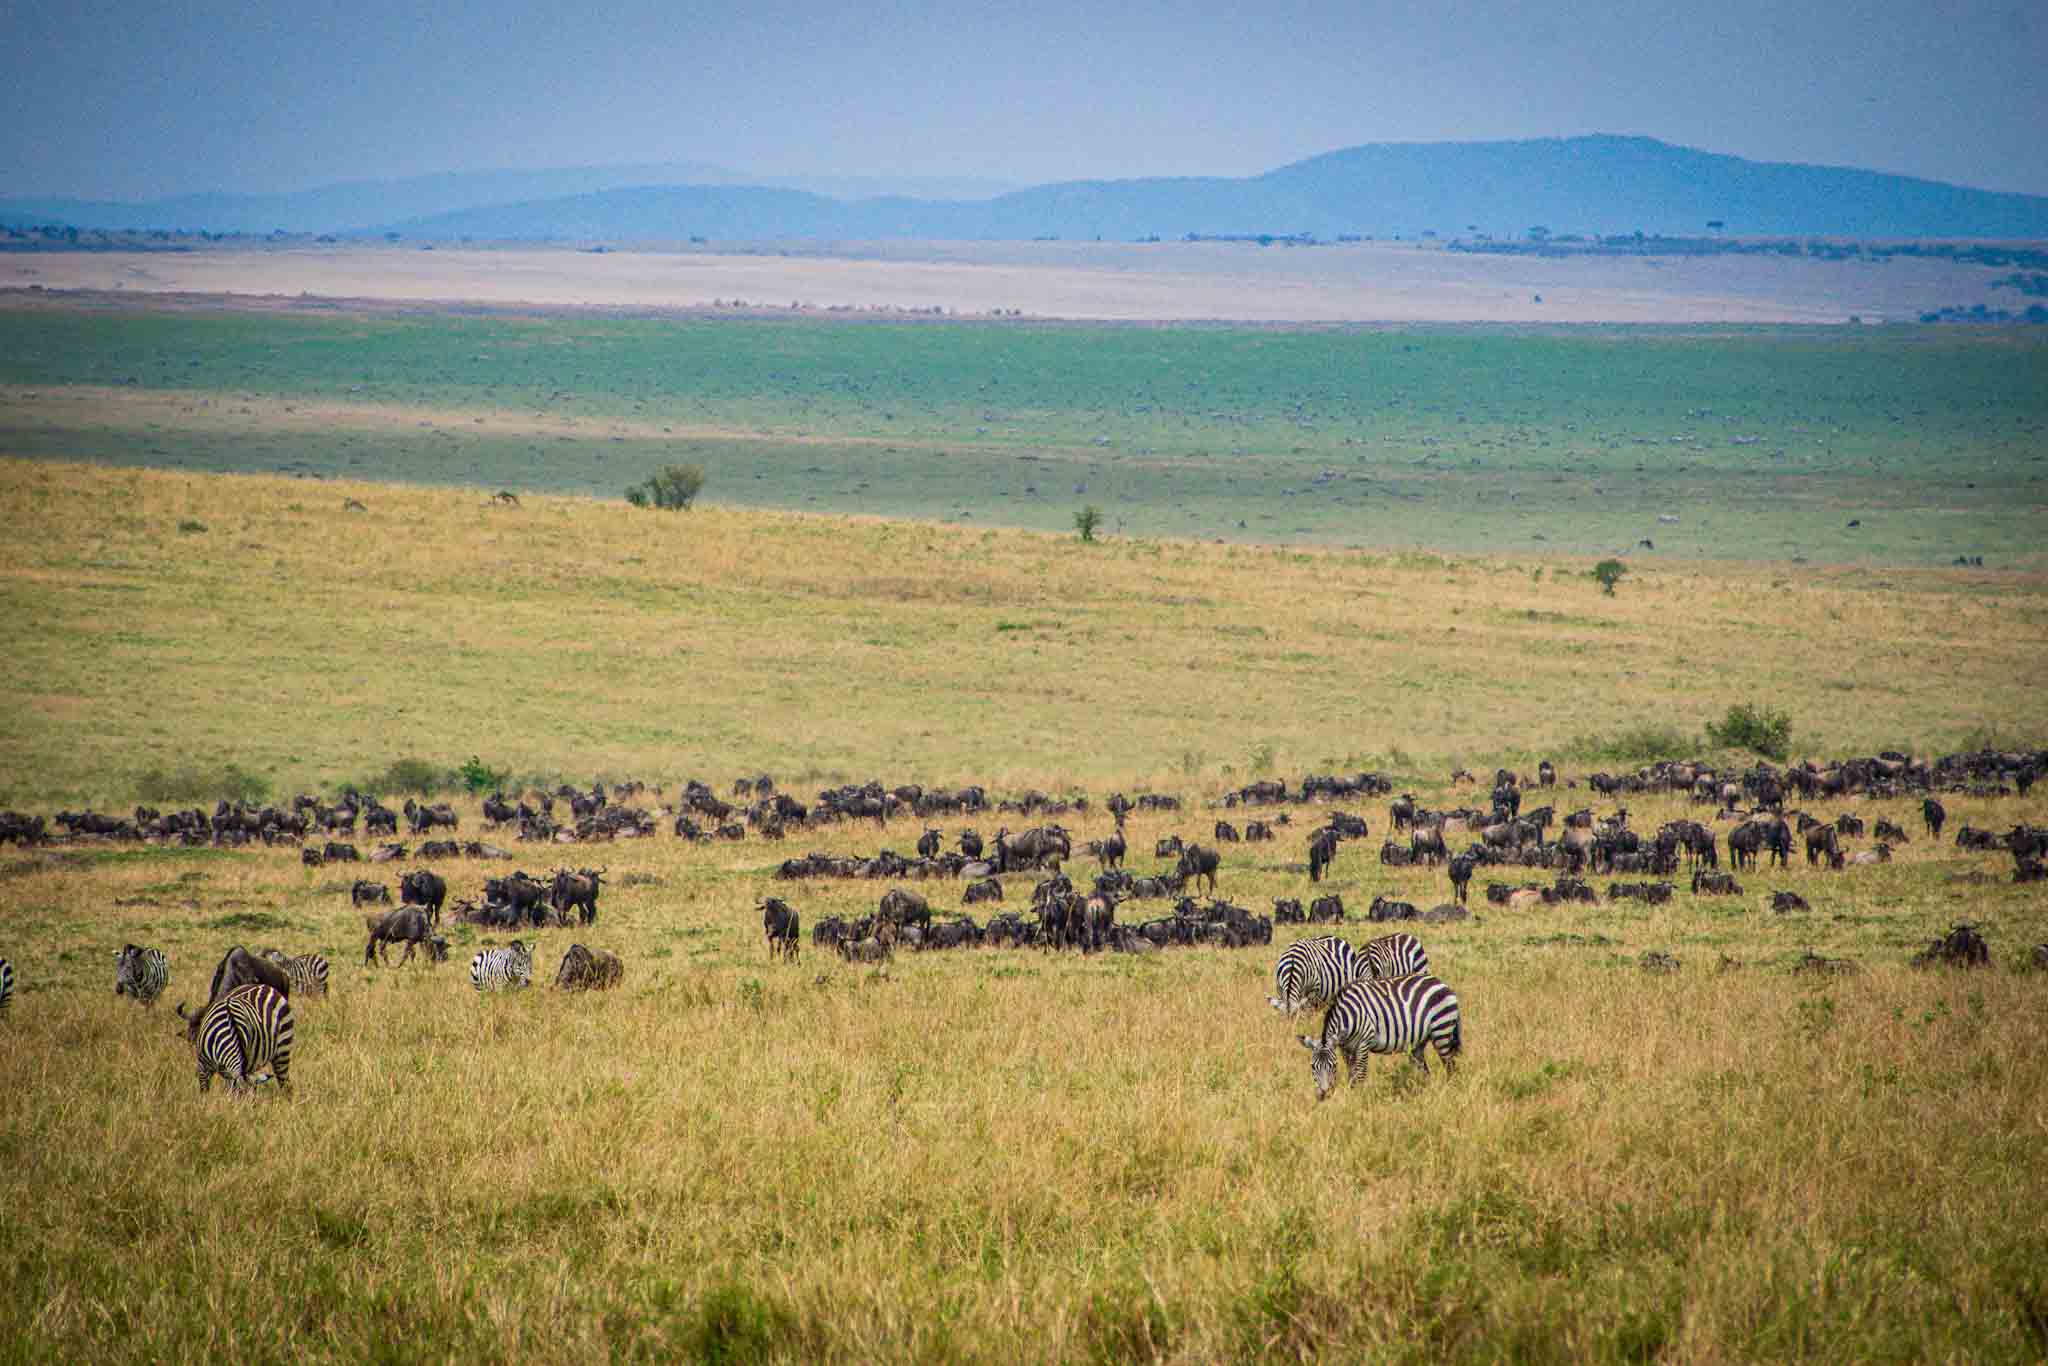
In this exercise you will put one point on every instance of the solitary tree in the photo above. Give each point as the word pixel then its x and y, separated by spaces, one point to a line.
pixel 675 488
pixel 1086 520
pixel 1609 573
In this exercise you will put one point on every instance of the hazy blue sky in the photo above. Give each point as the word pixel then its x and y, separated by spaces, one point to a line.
pixel 133 98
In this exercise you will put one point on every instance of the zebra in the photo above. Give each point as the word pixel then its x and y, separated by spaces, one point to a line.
pixel 307 973
pixel 1312 971
pixel 511 966
pixel 242 1033
pixel 1399 1016
pixel 141 973
pixel 1395 955
pixel 6 983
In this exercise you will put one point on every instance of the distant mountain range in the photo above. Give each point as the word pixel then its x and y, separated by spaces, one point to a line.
pixel 1595 185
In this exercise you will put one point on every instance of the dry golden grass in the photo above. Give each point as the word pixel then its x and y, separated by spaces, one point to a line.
pixel 983 1155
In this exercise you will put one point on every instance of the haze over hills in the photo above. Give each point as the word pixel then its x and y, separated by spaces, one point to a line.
pixel 1596 185
pixel 363 206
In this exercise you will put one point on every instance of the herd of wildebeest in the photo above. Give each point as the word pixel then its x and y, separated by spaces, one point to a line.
pixel 245 1027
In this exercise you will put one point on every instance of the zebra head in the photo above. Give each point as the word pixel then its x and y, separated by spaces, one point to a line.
pixel 1322 1064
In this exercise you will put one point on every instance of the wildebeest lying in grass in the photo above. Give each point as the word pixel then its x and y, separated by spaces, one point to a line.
pixel 585 969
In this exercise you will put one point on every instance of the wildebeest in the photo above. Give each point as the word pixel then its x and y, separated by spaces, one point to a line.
pixel 988 889
pixel 970 843
pixel 1226 833
pixel 1169 847
pixel 1934 814
pixel 1322 852
pixel 576 891
pixel 1385 908
pixel 928 843
pixel 362 893
pixel 424 889
pixel 1427 846
pixel 900 908
pixel 1112 851
pixel 425 818
pixel 781 926
pixel 1706 883
pixel 239 968
pixel 406 925
pixel 585 969
pixel 1197 862
pixel 1821 840
pixel 1461 876
pixel 1326 910
pixel 1287 911
pixel 1788 901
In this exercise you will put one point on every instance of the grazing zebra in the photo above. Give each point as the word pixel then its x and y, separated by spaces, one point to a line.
pixel 141 973
pixel 1399 1016
pixel 511 966
pixel 307 973
pixel 1395 955
pixel 6 983
pixel 245 1031
pixel 1313 971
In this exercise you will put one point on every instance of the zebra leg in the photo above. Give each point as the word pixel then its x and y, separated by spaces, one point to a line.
pixel 1357 1057
pixel 1417 1058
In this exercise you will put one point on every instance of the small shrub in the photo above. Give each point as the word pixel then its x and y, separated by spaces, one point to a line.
pixel 192 783
pixel 674 489
pixel 191 527
pixel 1752 727
pixel 1087 520
pixel 479 777
pixel 409 777
pixel 1608 573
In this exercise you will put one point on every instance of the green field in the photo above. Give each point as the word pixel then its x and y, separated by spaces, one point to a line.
pixel 1764 443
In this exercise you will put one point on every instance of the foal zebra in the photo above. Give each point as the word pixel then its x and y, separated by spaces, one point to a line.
pixel 245 1031
pixel 510 966
pixel 141 973
pixel 1313 971
pixel 6 983
pixel 1399 1016
pixel 307 973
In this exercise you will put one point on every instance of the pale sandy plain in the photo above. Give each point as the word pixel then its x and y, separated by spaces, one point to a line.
pixel 1372 282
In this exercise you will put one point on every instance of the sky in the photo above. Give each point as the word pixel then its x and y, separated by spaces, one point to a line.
pixel 133 99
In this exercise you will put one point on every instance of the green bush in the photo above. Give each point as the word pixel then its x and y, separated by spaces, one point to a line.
pixel 191 783
pixel 1087 520
pixel 673 489
pixel 409 777
pixel 479 777
pixel 1751 727
pixel 1609 573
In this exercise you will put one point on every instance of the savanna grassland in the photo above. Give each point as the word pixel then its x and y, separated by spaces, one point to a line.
pixel 986 1154
pixel 1839 445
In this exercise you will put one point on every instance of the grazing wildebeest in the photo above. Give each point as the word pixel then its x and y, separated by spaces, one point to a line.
pixel 901 908
pixel 781 925
pixel 1821 840
pixel 364 892
pixel 425 818
pixel 406 925
pixel 1197 862
pixel 239 968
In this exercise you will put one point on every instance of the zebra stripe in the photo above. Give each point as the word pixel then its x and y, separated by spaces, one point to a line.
pixel 511 966
pixel 6 983
pixel 1398 1016
pixel 307 973
pixel 1395 955
pixel 244 1032
pixel 1313 971
pixel 141 973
